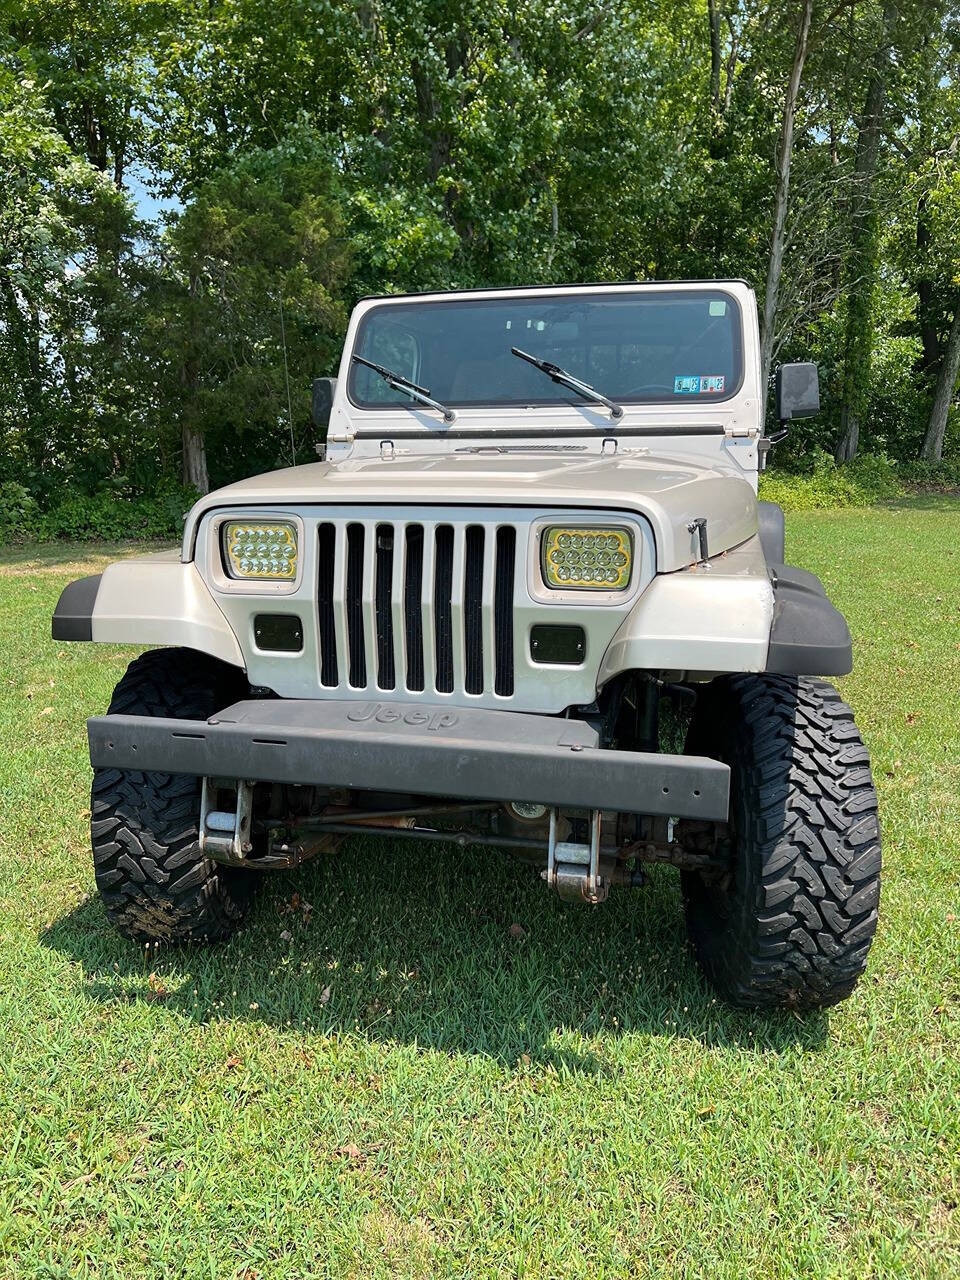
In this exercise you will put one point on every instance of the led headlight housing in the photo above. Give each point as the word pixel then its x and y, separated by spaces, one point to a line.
pixel 586 559
pixel 260 550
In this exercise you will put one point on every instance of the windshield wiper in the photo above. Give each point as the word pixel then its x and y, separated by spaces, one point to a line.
pixel 400 383
pixel 568 380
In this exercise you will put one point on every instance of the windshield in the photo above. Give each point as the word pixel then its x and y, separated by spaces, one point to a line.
pixel 657 346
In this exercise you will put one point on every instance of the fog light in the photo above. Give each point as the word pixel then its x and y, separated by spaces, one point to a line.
pixel 278 632
pixel 564 645
pixel 263 552
pixel 586 559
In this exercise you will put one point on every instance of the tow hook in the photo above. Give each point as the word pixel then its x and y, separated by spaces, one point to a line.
pixel 225 835
pixel 574 869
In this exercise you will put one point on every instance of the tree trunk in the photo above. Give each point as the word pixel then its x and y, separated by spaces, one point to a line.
pixel 784 157
pixel 716 54
pixel 862 262
pixel 194 449
pixel 926 309
pixel 943 395
pixel 195 459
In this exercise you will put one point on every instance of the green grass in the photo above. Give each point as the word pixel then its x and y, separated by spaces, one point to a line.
pixel 403 1088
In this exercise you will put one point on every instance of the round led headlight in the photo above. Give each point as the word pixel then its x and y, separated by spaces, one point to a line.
pixel 586 559
pixel 260 550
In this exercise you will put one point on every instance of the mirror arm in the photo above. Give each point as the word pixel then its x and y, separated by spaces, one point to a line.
pixel 766 443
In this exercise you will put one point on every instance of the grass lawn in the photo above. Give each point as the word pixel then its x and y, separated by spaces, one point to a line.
pixel 376 1077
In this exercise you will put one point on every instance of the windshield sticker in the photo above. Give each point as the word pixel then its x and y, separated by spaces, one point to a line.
pixel 702 384
pixel 718 308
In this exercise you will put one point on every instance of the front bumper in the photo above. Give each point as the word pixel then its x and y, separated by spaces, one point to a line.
pixel 445 751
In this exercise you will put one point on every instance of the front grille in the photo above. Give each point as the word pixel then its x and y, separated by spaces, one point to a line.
pixel 419 607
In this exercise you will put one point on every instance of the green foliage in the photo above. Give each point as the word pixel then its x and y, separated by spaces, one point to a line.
pixel 870 478
pixel 68 303
pixel 19 513
pixel 313 152
pixel 256 263
pixel 110 514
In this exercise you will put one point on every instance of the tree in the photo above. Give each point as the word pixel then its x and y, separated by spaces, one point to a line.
pixel 943 392
pixel 317 151
pixel 944 212
pixel 938 232
pixel 252 275
pixel 862 260
pixel 781 199
pixel 52 204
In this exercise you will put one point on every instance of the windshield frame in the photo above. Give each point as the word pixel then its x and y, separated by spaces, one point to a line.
pixel 704 291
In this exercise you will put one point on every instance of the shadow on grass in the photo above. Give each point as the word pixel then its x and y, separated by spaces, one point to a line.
pixel 938 500
pixel 49 555
pixel 422 945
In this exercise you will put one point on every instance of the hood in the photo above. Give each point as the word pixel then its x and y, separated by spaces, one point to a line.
pixel 670 493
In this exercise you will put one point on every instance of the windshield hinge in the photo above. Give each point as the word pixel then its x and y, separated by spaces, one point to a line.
pixel 386 449
pixel 609 445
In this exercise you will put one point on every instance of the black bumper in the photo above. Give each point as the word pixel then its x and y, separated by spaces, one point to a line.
pixel 426 750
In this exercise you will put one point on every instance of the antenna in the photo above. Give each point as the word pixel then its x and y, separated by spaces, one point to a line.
pixel 286 374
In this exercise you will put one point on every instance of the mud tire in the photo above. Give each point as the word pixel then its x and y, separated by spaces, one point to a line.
pixel 153 880
pixel 791 923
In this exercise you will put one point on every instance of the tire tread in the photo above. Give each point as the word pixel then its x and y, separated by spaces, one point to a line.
pixel 153 881
pixel 807 880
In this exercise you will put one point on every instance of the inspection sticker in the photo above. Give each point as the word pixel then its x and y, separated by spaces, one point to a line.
pixel 698 384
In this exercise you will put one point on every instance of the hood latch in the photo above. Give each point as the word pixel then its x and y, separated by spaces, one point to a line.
pixel 699 526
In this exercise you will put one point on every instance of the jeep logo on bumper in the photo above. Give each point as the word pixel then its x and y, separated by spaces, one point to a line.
pixel 382 713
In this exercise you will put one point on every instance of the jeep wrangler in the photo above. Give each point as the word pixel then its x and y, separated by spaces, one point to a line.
pixel 527 599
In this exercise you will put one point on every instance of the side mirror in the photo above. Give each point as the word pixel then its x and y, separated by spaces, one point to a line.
pixel 798 391
pixel 322 403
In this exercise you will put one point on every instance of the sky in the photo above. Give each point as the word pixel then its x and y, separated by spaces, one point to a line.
pixel 149 206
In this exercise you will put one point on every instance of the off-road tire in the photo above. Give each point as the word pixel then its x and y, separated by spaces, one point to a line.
pixel 153 880
pixel 791 923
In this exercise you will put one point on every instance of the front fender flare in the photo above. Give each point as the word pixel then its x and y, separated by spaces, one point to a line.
pixel 707 619
pixel 736 613
pixel 149 600
pixel 808 637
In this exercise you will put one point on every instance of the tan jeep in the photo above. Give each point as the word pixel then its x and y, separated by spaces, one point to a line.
pixel 532 558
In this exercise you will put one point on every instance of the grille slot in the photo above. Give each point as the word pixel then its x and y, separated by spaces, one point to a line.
pixel 355 637
pixel 412 614
pixel 473 610
pixel 503 610
pixel 386 675
pixel 326 613
pixel 443 619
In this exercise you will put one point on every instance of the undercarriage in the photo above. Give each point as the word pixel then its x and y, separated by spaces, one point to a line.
pixel 581 855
